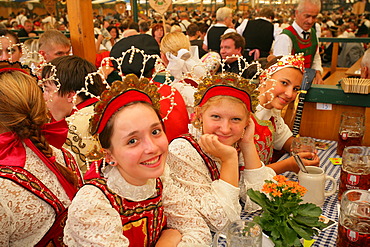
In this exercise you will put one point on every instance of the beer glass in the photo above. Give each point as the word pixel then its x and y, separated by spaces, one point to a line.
pixel 355 171
pixel 241 233
pixel 354 219
pixel 351 130
pixel 303 144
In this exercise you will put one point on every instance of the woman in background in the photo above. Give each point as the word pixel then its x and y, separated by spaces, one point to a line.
pixel 158 32
pixel 10 47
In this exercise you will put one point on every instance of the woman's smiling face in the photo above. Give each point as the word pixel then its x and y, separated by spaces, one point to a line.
pixel 138 144
pixel 226 119
pixel 287 84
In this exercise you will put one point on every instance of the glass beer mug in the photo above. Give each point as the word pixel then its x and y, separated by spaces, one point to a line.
pixel 355 171
pixel 354 219
pixel 351 130
pixel 241 233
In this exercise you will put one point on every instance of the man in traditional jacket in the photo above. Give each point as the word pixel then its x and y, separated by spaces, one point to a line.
pixel 301 37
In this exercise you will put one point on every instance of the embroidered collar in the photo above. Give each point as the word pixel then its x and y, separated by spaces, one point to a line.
pixel 119 185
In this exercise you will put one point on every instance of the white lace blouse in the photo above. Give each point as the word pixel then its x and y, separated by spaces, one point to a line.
pixel 24 217
pixel 282 132
pixel 92 221
pixel 217 201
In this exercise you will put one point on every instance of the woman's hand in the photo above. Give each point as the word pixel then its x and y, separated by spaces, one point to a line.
pixel 169 238
pixel 228 155
pixel 308 159
pixel 210 144
pixel 248 136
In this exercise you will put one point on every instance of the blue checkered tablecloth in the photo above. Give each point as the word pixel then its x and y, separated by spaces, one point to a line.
pixel 326 238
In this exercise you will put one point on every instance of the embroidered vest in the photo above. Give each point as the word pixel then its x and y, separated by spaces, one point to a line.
pixel 263 138
pixel 306 46
pixel 211 165
pixel 142 222
pixel 25 179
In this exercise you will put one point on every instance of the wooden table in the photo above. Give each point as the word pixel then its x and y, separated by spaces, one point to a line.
pixel 328 236
pixel 355 69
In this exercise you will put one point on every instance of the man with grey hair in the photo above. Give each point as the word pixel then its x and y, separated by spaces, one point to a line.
pixel 184 23
pixel 54 44
pixel 224 24
pixel 365 65
pixel 301 37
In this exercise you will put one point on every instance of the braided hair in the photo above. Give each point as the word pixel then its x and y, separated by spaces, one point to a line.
pixel 23 111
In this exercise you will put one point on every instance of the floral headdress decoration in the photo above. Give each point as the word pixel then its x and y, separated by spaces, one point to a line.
pixel 121 93
pixel 288 61
pixel 227 84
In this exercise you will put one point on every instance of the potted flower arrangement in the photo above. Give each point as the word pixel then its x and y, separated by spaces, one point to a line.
pixel 284 219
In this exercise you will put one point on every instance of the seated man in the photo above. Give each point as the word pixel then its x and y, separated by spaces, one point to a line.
pixel 233 44
pixel 27 30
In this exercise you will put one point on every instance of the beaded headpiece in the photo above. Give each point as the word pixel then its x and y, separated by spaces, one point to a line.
pixel 8 66
pixel 28 57
pixel 227 84
pixel 288 61
pixel 120 94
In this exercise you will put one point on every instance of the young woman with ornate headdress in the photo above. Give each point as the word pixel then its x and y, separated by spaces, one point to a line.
pixel 37 181
pixel 10 47
pixel 134 203
pixel 279 85
pixel 205 162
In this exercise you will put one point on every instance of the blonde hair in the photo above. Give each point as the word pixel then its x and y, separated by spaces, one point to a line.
pixel 173 42
pixel 199 110
pixel 23 111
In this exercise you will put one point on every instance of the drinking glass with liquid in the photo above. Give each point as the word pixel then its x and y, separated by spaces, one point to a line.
pixel 351 130
pixel 354 219
pixel 355 170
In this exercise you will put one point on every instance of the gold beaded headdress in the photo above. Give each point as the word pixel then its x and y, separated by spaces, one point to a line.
pixel 120 94
pixel 227 84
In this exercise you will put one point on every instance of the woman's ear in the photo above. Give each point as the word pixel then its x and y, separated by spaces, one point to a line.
pixel 110 158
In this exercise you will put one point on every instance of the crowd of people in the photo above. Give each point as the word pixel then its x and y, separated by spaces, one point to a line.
pixel 104 155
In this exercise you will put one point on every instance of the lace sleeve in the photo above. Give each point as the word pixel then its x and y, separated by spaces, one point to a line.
pixel 253 179
pixel 92 221
pixel 181 215
pixel 190 173
pixel 5 224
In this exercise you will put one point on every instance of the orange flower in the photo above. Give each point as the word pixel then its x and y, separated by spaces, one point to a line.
pixel 266 188
pixel 280 178
pixel 277 193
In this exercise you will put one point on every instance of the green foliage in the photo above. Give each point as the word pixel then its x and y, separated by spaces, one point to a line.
pixel 284 219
